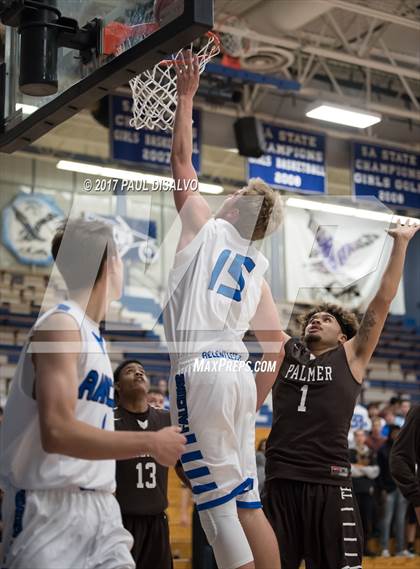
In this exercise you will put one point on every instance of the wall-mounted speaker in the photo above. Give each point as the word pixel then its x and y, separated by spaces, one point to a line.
pixel 249 135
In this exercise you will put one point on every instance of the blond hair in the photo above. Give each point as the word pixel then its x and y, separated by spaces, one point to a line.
pixel 260 209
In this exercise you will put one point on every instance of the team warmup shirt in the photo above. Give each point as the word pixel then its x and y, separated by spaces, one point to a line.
pixel 313 403
pixel 142 483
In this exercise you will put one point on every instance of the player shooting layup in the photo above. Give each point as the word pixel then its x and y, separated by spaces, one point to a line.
pixel 58 447
pixel 216 288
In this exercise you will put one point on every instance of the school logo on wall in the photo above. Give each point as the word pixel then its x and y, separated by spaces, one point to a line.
pixel 134 238
pixel 29 224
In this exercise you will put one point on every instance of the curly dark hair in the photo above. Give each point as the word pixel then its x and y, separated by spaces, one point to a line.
pixel 348 321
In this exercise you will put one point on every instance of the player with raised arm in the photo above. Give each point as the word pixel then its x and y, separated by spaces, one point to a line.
pixel 216 292
pixel 308 495
pixel 58 445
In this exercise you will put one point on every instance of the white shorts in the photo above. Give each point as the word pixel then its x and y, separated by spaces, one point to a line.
pixel 216 412
pixel 61 529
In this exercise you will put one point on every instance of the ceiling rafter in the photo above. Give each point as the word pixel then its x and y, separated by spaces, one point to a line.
pixel 324 52
pixel 372 13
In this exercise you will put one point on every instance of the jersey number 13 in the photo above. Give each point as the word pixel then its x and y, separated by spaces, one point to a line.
pixel 146 475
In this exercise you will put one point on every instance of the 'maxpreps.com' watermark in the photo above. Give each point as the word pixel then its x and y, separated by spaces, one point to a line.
pixel 227 365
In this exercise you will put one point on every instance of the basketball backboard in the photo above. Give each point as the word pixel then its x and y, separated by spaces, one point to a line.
pixel 119 39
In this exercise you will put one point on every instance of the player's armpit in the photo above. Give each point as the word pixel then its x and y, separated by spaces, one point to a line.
pixel 360 348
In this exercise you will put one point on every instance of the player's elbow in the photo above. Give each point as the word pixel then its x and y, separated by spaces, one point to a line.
pixel 49 441
pixel 385 296
pixel 179 162
pixel 52 438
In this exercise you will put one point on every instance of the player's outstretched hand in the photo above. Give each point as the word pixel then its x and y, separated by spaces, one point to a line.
pixel 405 232
pixel 187 74
pixel 169 444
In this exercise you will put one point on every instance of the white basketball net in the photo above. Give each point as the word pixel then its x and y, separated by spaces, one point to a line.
pixel 155 93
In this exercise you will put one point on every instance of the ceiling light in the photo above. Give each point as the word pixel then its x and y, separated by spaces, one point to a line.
pixel 350 211
pixel 343 115
pixel 214 189
pixel 26 109
pixel 106 172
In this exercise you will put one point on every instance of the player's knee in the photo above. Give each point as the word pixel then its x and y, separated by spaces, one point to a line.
pixel 225 534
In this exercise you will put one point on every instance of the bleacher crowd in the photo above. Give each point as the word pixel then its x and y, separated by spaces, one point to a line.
pixel 384 511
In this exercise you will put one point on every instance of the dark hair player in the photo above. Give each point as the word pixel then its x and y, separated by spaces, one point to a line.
pixel 308 494
pixel 142 483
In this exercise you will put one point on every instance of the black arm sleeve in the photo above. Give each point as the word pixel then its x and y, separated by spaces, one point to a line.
pixel 404 457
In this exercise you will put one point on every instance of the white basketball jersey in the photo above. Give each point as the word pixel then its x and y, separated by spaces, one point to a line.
pixel 23 462
pixel 213 292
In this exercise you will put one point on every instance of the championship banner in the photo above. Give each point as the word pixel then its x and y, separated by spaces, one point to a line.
pixel 294 160
pixel 336 258
pixel 392 175
pixel 145 147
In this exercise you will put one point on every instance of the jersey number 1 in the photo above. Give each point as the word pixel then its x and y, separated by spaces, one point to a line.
pixel 151 468
pixel 302 406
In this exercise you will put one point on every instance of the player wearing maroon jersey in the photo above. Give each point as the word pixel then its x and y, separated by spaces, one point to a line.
pixel 142 483
pixel 308 492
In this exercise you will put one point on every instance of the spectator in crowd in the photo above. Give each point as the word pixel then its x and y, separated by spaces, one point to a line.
pixel 405 407
pixel 360 420
pixel 395 503
pixel 389 421
pixel 373 410
pixel 162 385
pixel 375 439
pixel 364 471
pixel 405 456
pixel 260 456
pixel 155 398
pixel 394 405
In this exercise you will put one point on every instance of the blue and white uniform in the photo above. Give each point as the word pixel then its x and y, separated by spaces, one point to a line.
pixel 213 293
pixel 60 511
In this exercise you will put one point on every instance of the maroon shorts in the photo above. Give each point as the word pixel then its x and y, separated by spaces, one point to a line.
pixel 318 523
